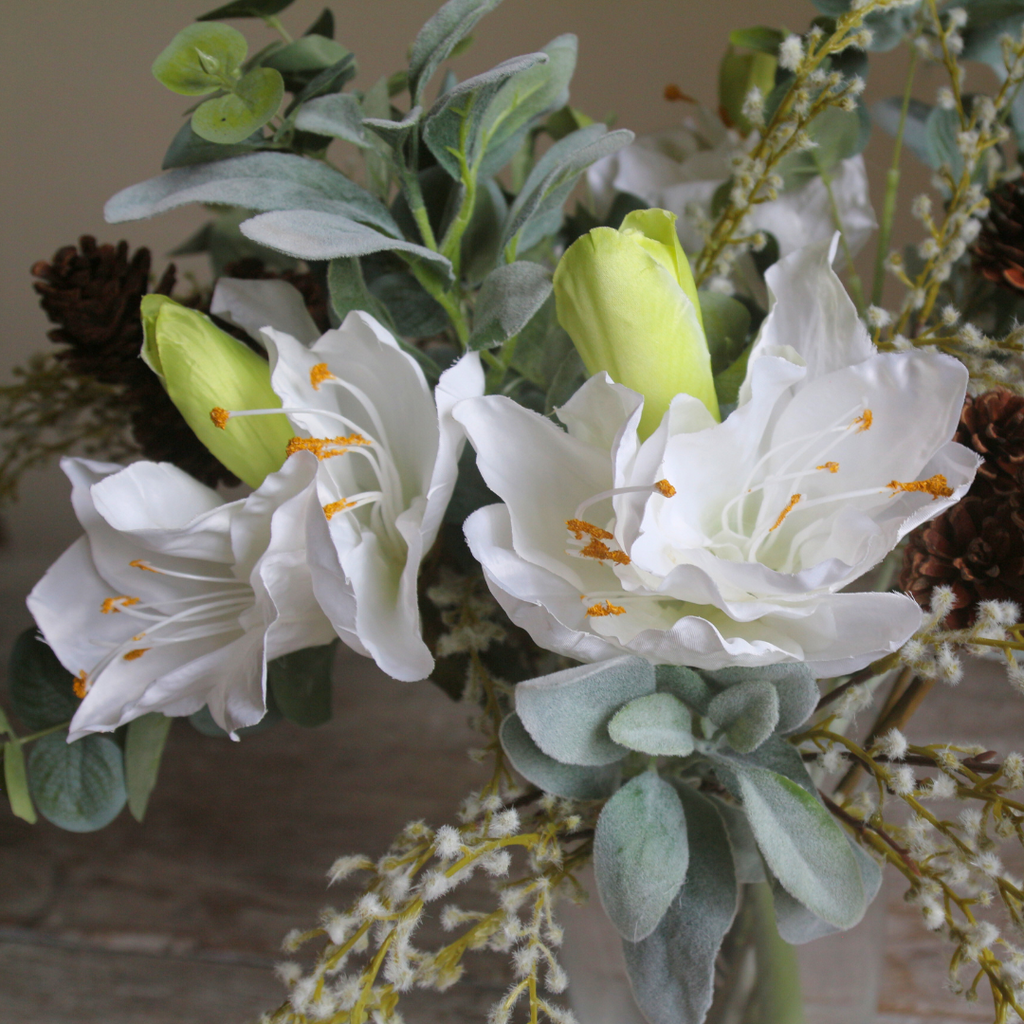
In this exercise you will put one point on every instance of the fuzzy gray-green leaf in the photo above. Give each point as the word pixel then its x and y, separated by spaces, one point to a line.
pixel 337 114
pixel 748 712
pixel 685 684
pixel 657 724
pixel 567 712
pixel 641 854
pixel 509 298
pixel 672 971
pixel 143 750
pixel 794 682
pixel 576 782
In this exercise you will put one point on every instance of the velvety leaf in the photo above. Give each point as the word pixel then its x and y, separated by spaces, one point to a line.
pixel 78 786
pixel 794 681
pixel 247 9
pixel 394 133
pixel 641 854
pixel 657 724
pixel 672 971
pixel 327 236
pixel 575 782
pixel 16 782
pixel 235 116
pixel 798 925
pixel 187 148
pixel 481 242
pixel 439 36
pixel 887 27
pixel 42 690
pixel 775 755
pixel 748 712
pixel 542 347
pixel 509 298
pixel 726 324
pixel 307 56
pixel 201 59
pixel 260 181
pixel 803 846
pixel 554 176
pixel 567 712
pixel 143 749
pixel 330 80
pixel 348 290
pixel 746 857
pixel 685 684
pixel 338 115
pixel 301 684
pixel 414 312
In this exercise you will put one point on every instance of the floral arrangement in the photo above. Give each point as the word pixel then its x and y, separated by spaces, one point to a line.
pixel 644 484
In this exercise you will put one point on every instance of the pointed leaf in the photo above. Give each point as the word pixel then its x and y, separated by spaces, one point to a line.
pixel 394 133
pixel 327 236
pixel 672 971
pixel 348 290
pixel 260 181
pixel 641 854
pixel 200 59
pixel 439 36
pixel 234 117
pixel 726 324
pixel 301 684
pixel 143 749
pixel 794 681
pixel 748 712
pixel 247 9
pixel 575 782
pixel 338 115
pixel 886 114
pixel 657 724
pixel 42 689
pixel 685 684
pixel 16 782
pixel 306 57
pixel 187 148
pixel 803 846
pixel 567 712
pixel 746 857
pixel 78 786
pixel 509 298
pixel 330 80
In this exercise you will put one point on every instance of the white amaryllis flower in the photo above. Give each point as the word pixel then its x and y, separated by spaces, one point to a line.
pixel 175 598
pixel 716 544
pixel 681 168
pixel 388 452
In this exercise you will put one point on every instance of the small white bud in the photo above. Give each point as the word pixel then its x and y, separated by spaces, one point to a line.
pixel 791 53
pixel 893 745
pixel 902 781
pixel 878 317
pixel 447 842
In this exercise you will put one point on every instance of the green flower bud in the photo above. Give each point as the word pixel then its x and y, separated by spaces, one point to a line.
pixel 629 302
pixel 204 369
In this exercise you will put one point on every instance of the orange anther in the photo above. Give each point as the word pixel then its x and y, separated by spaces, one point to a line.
pixel 605 608
pixel 581 526
pixel 832 467
pixel 137 653
pixel 337 506
pixel 863 421
pixel 319 374
pixel 81 686
pixel 219 417
pixel 138 563
pixel 936 486
pixel 785 512
pixel 665 488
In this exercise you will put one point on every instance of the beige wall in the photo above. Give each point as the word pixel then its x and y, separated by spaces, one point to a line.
pixel 84 117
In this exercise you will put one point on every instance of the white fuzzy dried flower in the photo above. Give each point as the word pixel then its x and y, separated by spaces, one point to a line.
pixel 921 207
pixel 435 885
pixel 934 916
pixel 369 906
pixel 957 17
pixel 945 98
pixel 302 994
pixel 950 315
pixel 791 53
pixel 902 781
pixel 505 824
pixel 555 978
pixel 970 820
pixel 943 787
pixel 753 106
pixel 1013 769
pixel 832 761
pixel 447 842
pixel 524 960
pixel 878 317
pixel 989 863
pixel 893 745
pixel 951 671
pixel 288 971
pixel 497 864
pixel 345 866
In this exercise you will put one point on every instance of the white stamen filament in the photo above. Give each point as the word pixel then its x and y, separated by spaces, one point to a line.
pixel 614 492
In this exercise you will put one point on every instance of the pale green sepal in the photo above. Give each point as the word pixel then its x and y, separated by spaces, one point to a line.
pixel 148 310
pixel 657 724
pixel 628 301
pixel 204 368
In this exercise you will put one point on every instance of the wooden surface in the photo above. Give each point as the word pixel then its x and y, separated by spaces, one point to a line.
pixel 178 921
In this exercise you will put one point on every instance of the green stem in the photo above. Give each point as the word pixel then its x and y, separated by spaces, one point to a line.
pixel 414 197
pixel 274 22
pixel 32 736
pixel 445 299
pixel 892 182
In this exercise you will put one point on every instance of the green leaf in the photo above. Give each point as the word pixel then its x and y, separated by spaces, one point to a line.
pixel 348 290
pixel 323 26
pixel 748 712
pixel 300 61
pixel 760 38
pixel 16 782
pixel 838 134
pixel 886 114
pixel 247 9
pixel 775 755
pixel 524 100
pixel 330 80
pixel 201 59
pixel 657 724
pixel 672 971
pixel 538 207
pixel 412 310
pixel 510 297
pixel 301 684
pixel 41 688
pixel 235 116
pixel 726 325
pixel 746 857
pixel 260 181
pixel 481 241
pixel 567 713
pixel 452 126
pixel 221 240
pixel 641 854
pixel 794 681
pixel 394 133
pixel 575 782
pixel 797 925
pixel 803 846
pixel 887 27
pixel 542 347
pixel 729 382
pixel 78 786
pixel 327 236
pixel 338 115
pixel 439 36
pixel 940 132
pixel 187 148
pixel 686 685
pixel 143 749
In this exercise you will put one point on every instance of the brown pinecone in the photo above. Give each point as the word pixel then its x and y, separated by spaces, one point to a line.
pixel 976 548
pixel 999 250
pixel 93 293
pixel 992 424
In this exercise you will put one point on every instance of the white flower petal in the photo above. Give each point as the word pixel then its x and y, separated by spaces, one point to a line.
pixel 253 305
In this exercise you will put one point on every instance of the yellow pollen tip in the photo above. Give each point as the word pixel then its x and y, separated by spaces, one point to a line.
pixel 111 604
pixel 325 447
pixel 138 637
pixel 81 686
pixel 785 512
pixel 319 374
pixel 936 486
pixel 599 550
pixel 137 653
pixel 219 417
pixel 140 564
pixel 337 506
pixel 665 488
pixel 581 526
pixel 863 421
pixel 832 467
pixel 606 608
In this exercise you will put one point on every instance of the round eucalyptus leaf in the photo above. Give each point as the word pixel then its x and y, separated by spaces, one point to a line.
pixel 78 786
pixel 201 59
pixel 231 118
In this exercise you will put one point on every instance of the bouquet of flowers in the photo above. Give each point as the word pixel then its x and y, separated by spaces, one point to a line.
pixel 644 484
